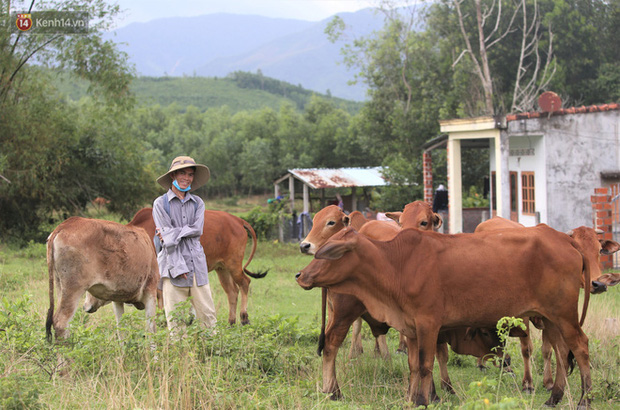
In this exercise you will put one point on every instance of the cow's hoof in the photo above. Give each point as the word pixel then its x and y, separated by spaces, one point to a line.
pixel 482 368
pixel 337 395
pixel 401 351
pixel 528 390
pixel 448 387
pixel 552 402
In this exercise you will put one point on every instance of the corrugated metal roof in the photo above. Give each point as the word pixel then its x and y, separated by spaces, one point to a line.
pixel 339 177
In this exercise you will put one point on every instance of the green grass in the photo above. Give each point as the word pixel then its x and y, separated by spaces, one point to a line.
pixel 271 363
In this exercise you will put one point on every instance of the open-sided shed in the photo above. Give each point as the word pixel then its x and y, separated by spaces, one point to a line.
pixel 314 178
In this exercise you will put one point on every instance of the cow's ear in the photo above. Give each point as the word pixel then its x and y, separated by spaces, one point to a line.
pixel 394 216
pixel 608 247
pixel 470 333
pixel 346 220
pixel 609 279
pixel 333 250
pixel 437 221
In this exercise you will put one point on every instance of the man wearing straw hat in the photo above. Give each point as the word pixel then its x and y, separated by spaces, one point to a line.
pixel 179 219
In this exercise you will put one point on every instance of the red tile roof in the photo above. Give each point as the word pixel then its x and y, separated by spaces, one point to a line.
pixel 564 111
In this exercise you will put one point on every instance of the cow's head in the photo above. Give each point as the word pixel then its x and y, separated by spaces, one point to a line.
pixel 333 262
pixel 418 215
pixel 591 245
pixel 325 224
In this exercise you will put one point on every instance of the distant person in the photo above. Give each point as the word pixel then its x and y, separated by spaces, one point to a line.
pixel 340 202
pixel 440 202
pixel 179 219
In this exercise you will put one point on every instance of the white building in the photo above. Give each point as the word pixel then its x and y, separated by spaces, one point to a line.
pixel 544 166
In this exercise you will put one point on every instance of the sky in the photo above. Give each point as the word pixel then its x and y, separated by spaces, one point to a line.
pixel 310 10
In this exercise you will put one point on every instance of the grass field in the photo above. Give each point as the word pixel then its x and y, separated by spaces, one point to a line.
pixel 271 363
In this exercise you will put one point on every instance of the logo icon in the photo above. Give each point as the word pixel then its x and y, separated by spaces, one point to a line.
pixel 24 22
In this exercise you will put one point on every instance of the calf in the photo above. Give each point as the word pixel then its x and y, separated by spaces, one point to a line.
pixel 109 260
pixel 423 282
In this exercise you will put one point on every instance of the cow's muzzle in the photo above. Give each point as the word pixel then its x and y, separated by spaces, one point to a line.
pixel 304 247
pixel 598 287
pixel 300 282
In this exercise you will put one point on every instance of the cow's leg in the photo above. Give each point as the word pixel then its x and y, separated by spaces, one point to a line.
pixel 577 342
pixel 442 355
pixel 381 347
pixel 67 305
pixel 526 352
pixel 243 282
pixel 561 353
pixel 119 309
pixel 402 344
pixel 344 310
pixel 232 293
pixel 150 310
pixel 356 339
pixel 547 350
pixel 425 346
pixel 413 360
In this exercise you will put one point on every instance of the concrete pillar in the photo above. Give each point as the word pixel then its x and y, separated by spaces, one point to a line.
pixel 455 187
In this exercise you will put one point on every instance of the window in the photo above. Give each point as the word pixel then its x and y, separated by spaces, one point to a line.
pixel 527 189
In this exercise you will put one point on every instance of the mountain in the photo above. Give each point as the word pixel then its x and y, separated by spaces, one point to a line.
pixel 215 45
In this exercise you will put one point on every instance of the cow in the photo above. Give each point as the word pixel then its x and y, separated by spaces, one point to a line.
pixel 109 260
pixel 419 215
pixel 423 282
pixel 224 238
pixel 590 244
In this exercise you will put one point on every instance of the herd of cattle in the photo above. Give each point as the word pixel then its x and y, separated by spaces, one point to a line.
pixel 435 289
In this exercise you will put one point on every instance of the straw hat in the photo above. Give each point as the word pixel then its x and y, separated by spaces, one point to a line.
pixel 200 178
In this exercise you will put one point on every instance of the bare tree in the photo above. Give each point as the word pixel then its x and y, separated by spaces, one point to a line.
pixel 529 78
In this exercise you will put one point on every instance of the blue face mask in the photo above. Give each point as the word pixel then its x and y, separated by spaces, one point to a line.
pixel 176 185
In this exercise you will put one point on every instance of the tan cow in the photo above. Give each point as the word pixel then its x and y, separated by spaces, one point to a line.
pixel 423 282
pixel 224 239
pixel 589 244
pixel 419 215
pixel 109 260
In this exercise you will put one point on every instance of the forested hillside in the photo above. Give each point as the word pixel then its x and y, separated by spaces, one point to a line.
pixel 238 91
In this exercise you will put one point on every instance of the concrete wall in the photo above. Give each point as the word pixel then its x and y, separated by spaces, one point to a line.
pixel 570 153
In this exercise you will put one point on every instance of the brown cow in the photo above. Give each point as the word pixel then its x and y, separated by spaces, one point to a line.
pixel 109 260
pixel 422 282
pixel 589 244
pixel 224 239
pixel 419 215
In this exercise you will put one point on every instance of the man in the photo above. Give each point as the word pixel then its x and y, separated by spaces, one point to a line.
pixel 179 219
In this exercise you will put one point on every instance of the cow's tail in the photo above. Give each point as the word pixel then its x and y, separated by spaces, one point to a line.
pixel 50 269
pixel 323 308
pixel 257 275
pixel 586 288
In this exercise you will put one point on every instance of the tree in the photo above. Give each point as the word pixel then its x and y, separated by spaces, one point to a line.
pixel 58 154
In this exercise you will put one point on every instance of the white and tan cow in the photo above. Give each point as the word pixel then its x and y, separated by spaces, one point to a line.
pixel 423 282
pixel 111 261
